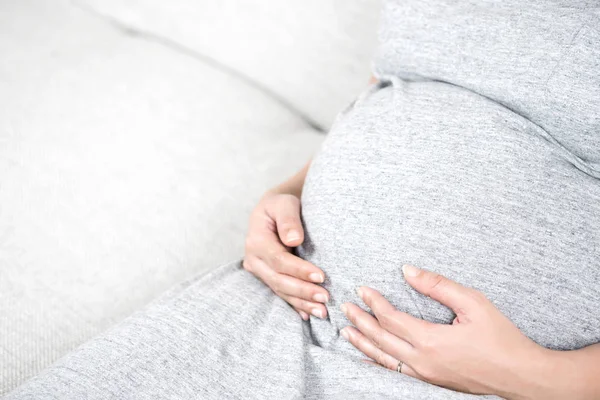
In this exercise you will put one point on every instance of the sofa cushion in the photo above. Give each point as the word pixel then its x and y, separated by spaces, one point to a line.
pixel 125 167
pixel 313 53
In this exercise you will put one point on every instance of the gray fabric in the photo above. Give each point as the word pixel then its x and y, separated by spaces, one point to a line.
pixel 476 157
pixel 226 336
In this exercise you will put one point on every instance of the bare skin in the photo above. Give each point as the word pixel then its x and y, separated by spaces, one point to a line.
pixel 481 352
pixel 275 228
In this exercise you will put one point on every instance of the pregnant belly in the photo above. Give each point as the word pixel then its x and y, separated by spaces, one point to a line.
pixel 433 175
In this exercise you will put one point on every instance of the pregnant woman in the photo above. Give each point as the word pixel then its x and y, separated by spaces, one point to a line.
pixel 448 231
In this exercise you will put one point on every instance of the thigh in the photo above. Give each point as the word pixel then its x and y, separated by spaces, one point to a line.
pixel 207 339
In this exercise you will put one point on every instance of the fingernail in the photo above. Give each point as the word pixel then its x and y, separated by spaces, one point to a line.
pixel 316 277
pixel 343 308
pixel 409 270
pixel 317 313
pixel 303 315
pixel 345 334
pixel 359 292
pixel 320 297
pixel 292 235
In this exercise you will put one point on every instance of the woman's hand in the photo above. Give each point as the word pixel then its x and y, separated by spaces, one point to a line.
pixel 482 352
pixel 275 228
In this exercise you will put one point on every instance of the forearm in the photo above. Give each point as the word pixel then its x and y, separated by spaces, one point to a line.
pixel 294 184
pixel 578 373
pixel 563 375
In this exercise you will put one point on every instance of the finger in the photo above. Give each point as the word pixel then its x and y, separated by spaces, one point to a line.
pixel 306 307
pixel 373 363
pixel 298 288
pixel 246 264
pixel 302 314
pixel 284 284
pixel 401 324
pixel 267 275
pixel 289 264
pixel 266 246
pixel 382 339
pixel 368 348
pixel 451 294
pixel 404 370
pixel 285 211
pixel 407 370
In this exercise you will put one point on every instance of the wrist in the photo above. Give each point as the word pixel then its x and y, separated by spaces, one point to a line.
pixel 530 375
pixel 543 374
pixel 293 185
pixel 284 189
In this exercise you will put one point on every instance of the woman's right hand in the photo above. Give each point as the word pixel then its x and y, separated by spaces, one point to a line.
pixel 274 229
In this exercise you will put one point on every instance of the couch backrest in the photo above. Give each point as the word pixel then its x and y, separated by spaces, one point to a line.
pixel 313 54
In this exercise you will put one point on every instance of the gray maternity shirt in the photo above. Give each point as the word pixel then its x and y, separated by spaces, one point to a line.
pixel 477 156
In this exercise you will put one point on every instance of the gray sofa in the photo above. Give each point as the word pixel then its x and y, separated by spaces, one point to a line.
pixel 135 138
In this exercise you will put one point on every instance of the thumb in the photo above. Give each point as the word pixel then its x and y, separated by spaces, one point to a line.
pixel 287 219
pixel 457 297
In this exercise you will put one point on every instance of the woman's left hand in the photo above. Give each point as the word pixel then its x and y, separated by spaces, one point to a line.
pixel 481 352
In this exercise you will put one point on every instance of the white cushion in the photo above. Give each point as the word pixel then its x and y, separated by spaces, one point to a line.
pixel 313 53
pixel 125 167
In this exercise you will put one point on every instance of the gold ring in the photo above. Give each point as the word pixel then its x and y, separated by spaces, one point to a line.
pixel 399 367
